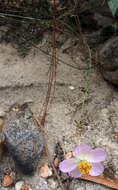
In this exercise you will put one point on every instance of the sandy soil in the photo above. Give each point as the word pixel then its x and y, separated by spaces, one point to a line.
pixel 88 99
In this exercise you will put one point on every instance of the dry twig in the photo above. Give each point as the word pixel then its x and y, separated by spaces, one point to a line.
pixel 101 180
pixel 50 83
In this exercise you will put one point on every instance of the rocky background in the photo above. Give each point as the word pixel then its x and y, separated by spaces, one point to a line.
pixel 84 108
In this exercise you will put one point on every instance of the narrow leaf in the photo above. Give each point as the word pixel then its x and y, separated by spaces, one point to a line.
pixel 113 5
pixel 101 180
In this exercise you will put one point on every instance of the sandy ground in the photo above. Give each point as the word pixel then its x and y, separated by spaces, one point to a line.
pixel 88 100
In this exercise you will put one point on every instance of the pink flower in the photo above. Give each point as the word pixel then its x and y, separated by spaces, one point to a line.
pixel 85 161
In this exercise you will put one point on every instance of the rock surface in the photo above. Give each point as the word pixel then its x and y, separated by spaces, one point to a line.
pixel 93 106
pixel 24 141
pixel 109 60
pixel 82 185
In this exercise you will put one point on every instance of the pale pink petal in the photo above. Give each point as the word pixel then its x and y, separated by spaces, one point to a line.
pixel 96 155
pixel 68 165
pixel 82 149
pixel 75 173
pixel 97 169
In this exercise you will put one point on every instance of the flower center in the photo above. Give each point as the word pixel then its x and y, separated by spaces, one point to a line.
pixel 85 167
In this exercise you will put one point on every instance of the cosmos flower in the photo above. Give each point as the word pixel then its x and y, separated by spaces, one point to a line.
pixel 85 161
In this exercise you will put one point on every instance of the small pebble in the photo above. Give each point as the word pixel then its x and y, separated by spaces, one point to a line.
pixel 28 101
pixel 45 171
pixel 19 185
pixel 71 87
pixel 2 113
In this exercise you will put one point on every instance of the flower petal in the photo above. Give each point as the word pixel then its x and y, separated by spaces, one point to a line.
pixel 97 155
pixel 75 173
pixel 68 165
pixel 82 149
pixel 97 169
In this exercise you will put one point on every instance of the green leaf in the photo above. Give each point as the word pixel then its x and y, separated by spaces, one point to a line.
pixel 113 5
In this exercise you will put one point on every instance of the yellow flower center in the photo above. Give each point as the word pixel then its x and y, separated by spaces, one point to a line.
pixel 85 167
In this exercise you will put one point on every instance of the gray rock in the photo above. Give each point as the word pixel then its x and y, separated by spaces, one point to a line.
pixel 100 6
pixel 109 60
pixel 37 183
pixel 102 20
pixel 24 142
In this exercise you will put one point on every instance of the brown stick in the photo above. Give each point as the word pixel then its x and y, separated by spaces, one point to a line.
pixel 47 99
pixel 53 68
pixel 101 180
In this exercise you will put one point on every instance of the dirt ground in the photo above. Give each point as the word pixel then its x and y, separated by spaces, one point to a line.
pixel 80 95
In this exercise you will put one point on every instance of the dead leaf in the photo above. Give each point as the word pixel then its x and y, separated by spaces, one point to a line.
pixel 72 134
pixel 26 187
pixel 13 176
pixel 45 171
pixel 7 181
pixel 100 180
pixel 68 155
